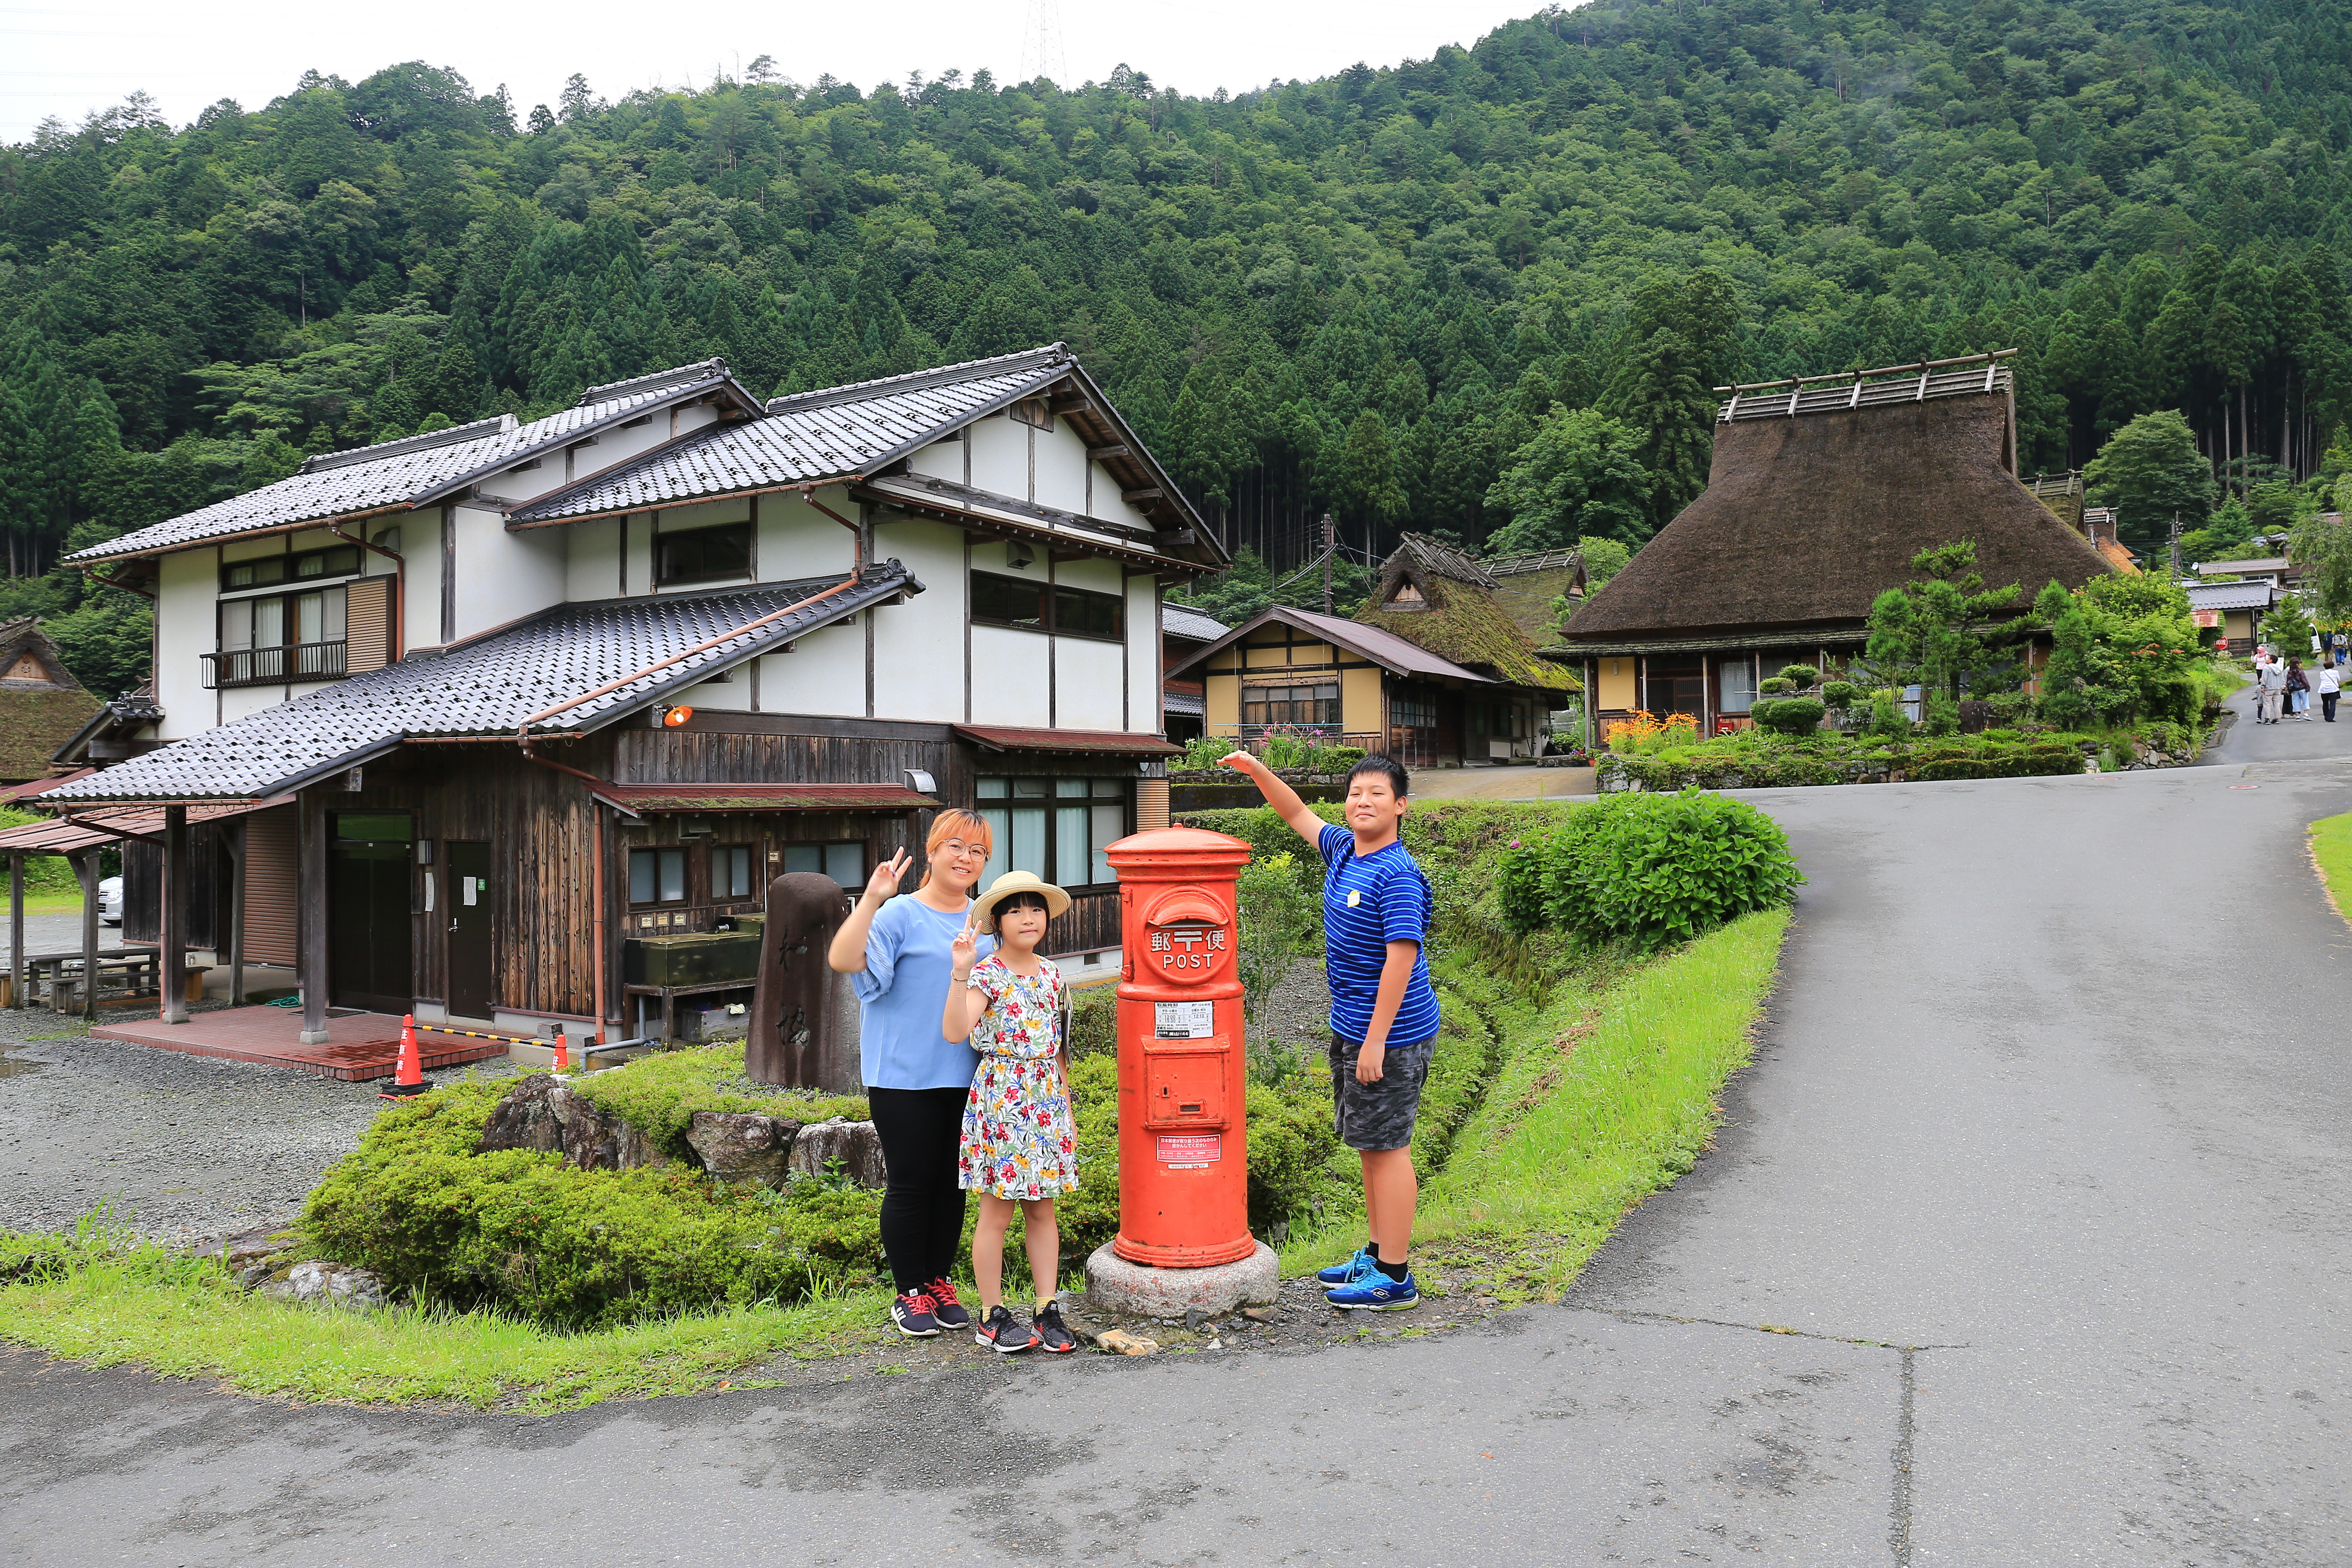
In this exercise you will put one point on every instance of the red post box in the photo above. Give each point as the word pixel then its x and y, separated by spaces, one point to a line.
pixel 1183 1145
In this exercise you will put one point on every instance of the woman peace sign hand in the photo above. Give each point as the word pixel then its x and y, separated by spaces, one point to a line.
pixel 883 883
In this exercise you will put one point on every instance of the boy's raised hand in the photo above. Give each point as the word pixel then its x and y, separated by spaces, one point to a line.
pixel 883 883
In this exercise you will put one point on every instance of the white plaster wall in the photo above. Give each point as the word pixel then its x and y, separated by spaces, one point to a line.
pixel 240 700
pixel 252 549
pixel 187 627
pixel 637 534
pixel 824 674
pixel 940 460
pixel 1088 675
pixel 1010 683
pixel 420 544
pixel 732 696
pixel 919 646
pixel 1062 468
pixel 1000 455
pixel 797 540
pixel 592 561
pixel 503 576
pixel 1111 507
pixel 1100 575
pixel 1143 687
pixel 988 556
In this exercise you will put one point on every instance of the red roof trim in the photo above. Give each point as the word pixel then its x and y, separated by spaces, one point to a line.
pixel 728 797
pixel 1115 742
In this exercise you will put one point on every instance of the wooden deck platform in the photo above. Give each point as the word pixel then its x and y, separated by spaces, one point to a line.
pixel 359 1045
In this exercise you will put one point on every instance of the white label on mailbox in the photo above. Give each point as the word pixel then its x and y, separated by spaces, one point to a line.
pixel 1191 1151
pixel 1183 1020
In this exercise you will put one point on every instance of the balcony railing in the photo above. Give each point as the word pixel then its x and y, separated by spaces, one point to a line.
pixel 274 666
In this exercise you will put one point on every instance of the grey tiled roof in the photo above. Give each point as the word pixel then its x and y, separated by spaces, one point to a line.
pixel 407 472
pixel 1179 621
pixel 487 687
pixel 811 436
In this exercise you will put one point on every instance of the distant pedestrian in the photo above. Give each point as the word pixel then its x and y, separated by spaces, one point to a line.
pixel 2329 681
pixel 2298 690
pixel 2271 680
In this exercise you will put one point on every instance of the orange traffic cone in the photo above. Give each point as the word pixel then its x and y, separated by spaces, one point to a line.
pixel 562 1051
pixel 409 1079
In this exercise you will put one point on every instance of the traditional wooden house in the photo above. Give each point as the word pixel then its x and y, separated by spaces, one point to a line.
pixel 1819 493
pixel 476 711
pixel 1430 671
pixel 42 706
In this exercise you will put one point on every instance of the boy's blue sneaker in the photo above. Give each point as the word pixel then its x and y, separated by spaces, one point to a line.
pixel 1376 1293
pixel 1348 1272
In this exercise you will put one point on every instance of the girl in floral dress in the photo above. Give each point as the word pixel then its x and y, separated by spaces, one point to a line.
pixel 1019 1144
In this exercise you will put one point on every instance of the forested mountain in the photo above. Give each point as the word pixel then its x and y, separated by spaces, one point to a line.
pixel 1361 293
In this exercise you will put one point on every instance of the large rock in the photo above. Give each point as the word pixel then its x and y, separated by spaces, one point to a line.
pixel 738 1146
pixel 331 1283
pixel 1138 1289
pixel 854 1143
pixel 543 1113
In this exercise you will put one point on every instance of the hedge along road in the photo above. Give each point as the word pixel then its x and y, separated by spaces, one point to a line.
pixel 2049 1112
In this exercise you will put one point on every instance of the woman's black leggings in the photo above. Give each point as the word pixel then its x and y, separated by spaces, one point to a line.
pixel 922 1209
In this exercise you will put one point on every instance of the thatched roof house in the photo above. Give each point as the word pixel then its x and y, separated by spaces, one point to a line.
pixel 1527 586
pixel 1438 598
pixel 42 706
pixel 1819 493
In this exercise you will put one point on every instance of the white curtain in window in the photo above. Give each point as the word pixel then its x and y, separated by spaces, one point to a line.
pixel 1109 827
pixel 1070 849
pixel 1738 678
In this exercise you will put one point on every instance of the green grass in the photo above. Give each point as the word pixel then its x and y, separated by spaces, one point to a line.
pixel 42 904
pixel 1607 1092
pixel 2331 852
pixel 180 1317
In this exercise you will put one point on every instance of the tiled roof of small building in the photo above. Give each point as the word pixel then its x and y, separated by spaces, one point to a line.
pixel 488 687
pixel 811 436
pixel 397 475
pixel 1182 621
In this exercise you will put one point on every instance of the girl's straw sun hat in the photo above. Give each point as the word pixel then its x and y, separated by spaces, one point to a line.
pixel 983 907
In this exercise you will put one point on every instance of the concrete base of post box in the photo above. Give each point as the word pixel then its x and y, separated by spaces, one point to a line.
pixel 1116 1285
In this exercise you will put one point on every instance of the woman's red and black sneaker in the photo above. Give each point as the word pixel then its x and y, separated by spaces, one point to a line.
pixel 1004 1332
pixel 950 1313
pixel 916 1314
pixel 1054 1336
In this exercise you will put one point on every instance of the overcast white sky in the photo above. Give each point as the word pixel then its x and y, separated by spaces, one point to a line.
pixel 65 59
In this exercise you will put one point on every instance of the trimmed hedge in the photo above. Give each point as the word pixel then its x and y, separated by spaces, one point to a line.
pixel 522 1230
pixel 1741 763
pixel 1648 867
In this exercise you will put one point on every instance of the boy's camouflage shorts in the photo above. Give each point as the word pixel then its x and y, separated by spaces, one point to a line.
pixel 1376 1116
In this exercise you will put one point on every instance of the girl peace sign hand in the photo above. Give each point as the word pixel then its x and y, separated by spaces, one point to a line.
pixel 962 950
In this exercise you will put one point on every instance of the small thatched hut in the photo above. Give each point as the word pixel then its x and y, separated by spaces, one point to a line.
pixel 1819 493
pixel 41 704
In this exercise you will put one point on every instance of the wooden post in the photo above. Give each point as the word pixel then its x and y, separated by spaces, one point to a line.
pixel 237 913
pixel 17 928
pixel 173 958
pixel 311 917
pixel 87 865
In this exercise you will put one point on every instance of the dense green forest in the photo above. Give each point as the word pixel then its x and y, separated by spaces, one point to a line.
pixel 1364 294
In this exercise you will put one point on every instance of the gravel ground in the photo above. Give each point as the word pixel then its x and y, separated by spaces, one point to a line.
pixel 185 1149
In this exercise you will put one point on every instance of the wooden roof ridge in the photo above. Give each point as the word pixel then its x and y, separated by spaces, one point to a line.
pixel 1979 373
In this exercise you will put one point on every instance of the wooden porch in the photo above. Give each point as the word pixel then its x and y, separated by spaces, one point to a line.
pixel 360 1046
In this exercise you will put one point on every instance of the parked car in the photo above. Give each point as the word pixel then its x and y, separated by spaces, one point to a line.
pixel 109 901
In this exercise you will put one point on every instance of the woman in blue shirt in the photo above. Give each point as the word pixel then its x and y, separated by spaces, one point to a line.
pixel 895 951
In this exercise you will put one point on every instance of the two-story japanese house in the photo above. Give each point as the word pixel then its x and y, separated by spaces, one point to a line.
pixel 463 715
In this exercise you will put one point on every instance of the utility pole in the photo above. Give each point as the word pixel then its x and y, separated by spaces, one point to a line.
pixel 1330 547
pixel 2176 547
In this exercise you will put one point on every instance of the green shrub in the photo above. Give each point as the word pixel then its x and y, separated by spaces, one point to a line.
pixel 1801 677
pixel 1277 924
pixel 658 1095
pixel 1656 868
pixel 524 1231
pixel 1841 694
pixel 1789 715
pixel 1094 1021
pixel 1775 686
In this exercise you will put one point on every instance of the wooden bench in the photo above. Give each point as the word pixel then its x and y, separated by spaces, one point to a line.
pixel 140 968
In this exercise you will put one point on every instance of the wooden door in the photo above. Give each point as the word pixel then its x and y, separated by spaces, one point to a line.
pixel 368 921
pixel 471 935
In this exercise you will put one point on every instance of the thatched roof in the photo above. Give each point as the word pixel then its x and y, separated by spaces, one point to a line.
pixel 1805 519
pixel 1440 599
pixel 42 706
pixel 1527 585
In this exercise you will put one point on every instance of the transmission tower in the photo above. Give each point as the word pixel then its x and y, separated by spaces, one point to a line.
pixel 1040 44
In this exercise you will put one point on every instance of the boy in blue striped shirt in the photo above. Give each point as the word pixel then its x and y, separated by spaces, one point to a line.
pixel 1377 910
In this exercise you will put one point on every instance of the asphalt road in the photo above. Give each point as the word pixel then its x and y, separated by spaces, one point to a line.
pixel 2023 1246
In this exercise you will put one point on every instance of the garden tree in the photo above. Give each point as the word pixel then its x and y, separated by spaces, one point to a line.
pixel 1603 558
pixel 2122 648
pixel 2321 545
pixel 1944 630
pixel 2287 628
pixel 2149 471
pixel 2273 507
pixel 1581 475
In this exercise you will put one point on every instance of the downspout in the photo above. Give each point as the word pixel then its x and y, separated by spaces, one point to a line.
pixel 399 589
